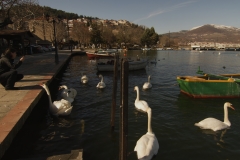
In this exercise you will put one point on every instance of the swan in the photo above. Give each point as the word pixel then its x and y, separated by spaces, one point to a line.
pixel 140 104
pixel 147 85
pixel 101 84
pixel 147 146
pixel 215 124
pixel 84 79
pixel 58 108
pixel 68 94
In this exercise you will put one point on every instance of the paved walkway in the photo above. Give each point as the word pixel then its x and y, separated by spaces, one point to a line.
pixel 16 105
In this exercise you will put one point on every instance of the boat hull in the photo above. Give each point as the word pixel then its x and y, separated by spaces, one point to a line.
pixel 101 54
pixel 203 87
pixel 133 65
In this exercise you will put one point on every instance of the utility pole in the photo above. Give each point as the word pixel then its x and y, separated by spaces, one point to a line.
pixel 43 26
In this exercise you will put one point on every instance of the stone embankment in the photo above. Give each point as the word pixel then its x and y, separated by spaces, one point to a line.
pixel 16 105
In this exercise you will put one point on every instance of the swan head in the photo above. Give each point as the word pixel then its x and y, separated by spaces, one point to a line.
pixel 100 76
pixel 228 104
pixel 136 88
pixel 62 87
pixel 43 85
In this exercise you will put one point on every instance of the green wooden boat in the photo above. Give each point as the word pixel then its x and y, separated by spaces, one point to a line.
pixel 210 86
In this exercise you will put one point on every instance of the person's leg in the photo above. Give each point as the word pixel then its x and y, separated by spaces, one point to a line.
pixel 11 80
pixel 3 83
pixel 19 77
pixel 4 77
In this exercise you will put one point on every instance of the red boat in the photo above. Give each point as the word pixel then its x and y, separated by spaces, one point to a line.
pixel 101 54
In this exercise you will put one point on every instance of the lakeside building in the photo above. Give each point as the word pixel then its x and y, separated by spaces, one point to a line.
pixel 213 45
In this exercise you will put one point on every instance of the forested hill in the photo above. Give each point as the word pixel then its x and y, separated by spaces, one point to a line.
pixel 63 14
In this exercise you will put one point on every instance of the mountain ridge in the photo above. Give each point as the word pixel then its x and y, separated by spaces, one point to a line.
pixel 208 33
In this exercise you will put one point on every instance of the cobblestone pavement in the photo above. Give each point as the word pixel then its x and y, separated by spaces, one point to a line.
pixel 16 105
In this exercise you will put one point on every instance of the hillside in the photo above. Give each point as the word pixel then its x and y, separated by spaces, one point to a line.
pixel 208 33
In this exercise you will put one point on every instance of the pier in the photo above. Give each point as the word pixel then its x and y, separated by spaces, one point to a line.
pixel 16 105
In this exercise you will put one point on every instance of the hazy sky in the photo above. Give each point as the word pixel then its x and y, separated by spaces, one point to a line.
pixel 163 15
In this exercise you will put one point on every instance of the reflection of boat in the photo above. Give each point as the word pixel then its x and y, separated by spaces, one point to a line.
pixel 101 54
pixel 210 86
pixel 108 65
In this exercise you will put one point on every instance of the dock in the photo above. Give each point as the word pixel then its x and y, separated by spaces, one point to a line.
pixel 16 105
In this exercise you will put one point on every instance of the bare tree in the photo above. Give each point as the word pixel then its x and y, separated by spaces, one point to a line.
pixel 80 33
pixel 61 32
pixel 5 8
pixel 24 10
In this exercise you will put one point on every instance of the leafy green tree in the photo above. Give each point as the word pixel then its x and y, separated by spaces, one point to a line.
pixel 96 36
pixel 149 37
pixel 108 36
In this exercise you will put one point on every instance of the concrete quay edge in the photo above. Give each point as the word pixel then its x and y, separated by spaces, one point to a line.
pixel 15 118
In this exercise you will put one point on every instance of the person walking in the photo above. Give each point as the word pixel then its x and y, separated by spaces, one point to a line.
pixel 8 73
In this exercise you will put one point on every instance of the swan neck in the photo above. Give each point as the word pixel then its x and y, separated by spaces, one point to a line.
pixel 101 78
pixel 149 79
pixel 137 90
pixel 65 87
pixel 226 120
pixel 149 112
pixel 49 95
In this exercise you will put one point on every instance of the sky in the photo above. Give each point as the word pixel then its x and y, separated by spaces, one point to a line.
pixel 164 15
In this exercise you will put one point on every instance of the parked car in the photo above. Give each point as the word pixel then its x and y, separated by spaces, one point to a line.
pixel 50 48
pixel 45 49
pixel 37 49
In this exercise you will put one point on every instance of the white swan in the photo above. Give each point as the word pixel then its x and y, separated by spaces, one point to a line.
pixel 147 146
pixel 140 104
pixel 84 79
pixel 68 94
pixel 147 84
pixel 215 124
pixel 101 84
pixel 57 108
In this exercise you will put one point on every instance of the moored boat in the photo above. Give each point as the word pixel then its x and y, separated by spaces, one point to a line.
pixel 108 65
pixel 210 86
pixel 102 54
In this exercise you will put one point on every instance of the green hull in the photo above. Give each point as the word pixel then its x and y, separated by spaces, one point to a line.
pixel 203 87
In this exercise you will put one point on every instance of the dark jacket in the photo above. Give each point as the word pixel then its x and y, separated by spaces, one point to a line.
pixel 6 64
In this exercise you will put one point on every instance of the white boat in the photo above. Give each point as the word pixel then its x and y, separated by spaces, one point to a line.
pixel 146 49
pixel 108 65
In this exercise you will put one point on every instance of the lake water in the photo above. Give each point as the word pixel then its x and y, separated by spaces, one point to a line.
pixel 173 114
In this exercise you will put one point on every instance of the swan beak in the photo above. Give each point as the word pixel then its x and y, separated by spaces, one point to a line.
pixel 232 107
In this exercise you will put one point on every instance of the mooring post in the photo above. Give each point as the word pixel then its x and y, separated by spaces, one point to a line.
pixel 114 95
pixel 120 113
pixel 124 108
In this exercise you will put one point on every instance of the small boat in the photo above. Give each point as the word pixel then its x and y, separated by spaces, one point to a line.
pixel 210 86
pixel 108 65
pixel 146 49
pixel 109 53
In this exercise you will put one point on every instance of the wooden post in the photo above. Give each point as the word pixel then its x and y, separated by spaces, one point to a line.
pixel 120 113
pixel 124 108
pixel 114 95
